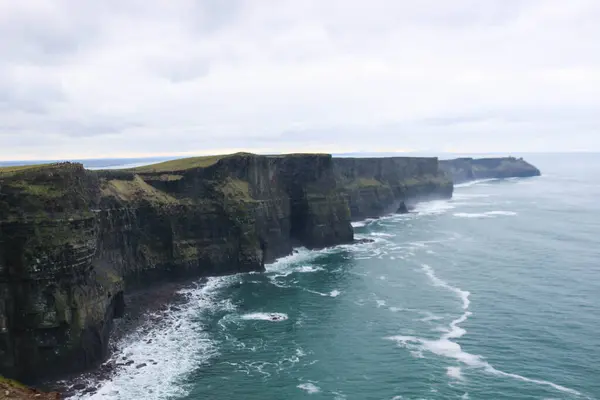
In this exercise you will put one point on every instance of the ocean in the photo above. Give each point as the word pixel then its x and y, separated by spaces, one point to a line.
pixel 494 294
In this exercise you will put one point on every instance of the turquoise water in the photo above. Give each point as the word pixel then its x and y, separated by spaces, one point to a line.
pixel 492 295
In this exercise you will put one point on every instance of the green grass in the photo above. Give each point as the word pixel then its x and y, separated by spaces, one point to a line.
pixel 364 183
pixel 237 189
pixel 135 189
pixel 13 169
pixel 182 164
pixel 46 191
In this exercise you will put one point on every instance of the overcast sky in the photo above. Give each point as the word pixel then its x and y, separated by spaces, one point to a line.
pixel 124 78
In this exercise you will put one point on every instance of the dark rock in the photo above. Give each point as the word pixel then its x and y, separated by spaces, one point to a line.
pixel 363 241
pixel 141 366
pixel 402 209
pixel 130 362
pixel 79 386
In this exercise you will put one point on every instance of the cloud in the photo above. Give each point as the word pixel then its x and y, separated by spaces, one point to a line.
pixel 131 77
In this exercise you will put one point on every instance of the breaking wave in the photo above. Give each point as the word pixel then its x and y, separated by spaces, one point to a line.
pixel 152 363
pixel 446 347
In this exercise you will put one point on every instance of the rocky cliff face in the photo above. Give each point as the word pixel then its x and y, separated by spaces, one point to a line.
pixel 72 240
pixel 469 169
pixel 56 309
pixel 379 186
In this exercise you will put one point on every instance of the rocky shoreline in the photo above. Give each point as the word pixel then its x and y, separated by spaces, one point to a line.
pixel 145 307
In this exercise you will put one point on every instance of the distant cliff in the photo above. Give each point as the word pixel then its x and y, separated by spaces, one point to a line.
pixel 469 169
pixel 379 186
pixel 73 240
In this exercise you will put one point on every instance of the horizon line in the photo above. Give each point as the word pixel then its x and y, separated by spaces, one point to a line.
pixel 179 156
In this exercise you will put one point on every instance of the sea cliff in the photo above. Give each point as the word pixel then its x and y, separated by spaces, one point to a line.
pixel 469 169
pixel 73 240
pixel 379 186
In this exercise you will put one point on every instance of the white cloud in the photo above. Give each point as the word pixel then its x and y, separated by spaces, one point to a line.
pixel 125 78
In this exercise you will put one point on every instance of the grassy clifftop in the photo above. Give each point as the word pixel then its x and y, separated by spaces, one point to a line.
pixel 180 164
pixel 16 169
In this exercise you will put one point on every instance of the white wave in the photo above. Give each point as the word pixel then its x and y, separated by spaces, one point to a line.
pixel 300 255
pixel 471 215
pixel 508 213
pixel 445 347
pixel 339 396
pixel 360 224
pixel 433 207
pixel 382 234
pixel 309 387
pixel 473 183
pixel 429 316
pixel 466 196
pixel 308 268
pixel 465 396
pixel 463 294
pixel 333 293
pixel 170 349
pixel 455 373
pixel 380 303
pixel 265 316
pixel 488 214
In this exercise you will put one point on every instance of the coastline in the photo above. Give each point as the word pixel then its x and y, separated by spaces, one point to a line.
pixel 147 307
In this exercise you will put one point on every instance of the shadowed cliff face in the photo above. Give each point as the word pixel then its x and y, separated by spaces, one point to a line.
pixel 379 186
pixel 72 240
pixel 468 169
pixel 55 307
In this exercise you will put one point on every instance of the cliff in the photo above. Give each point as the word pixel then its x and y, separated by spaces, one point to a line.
pixel 379 186
pixel 73 240
pixel 469 169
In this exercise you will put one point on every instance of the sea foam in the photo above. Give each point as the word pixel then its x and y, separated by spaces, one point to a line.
pixel 276 317
pixel 310 388
pixel 488 214
pixel 170 347
pixel 445 347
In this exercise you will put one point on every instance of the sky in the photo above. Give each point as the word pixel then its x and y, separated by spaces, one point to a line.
pixel 136 78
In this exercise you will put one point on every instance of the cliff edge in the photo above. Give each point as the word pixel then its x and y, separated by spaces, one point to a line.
pixel 462 170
